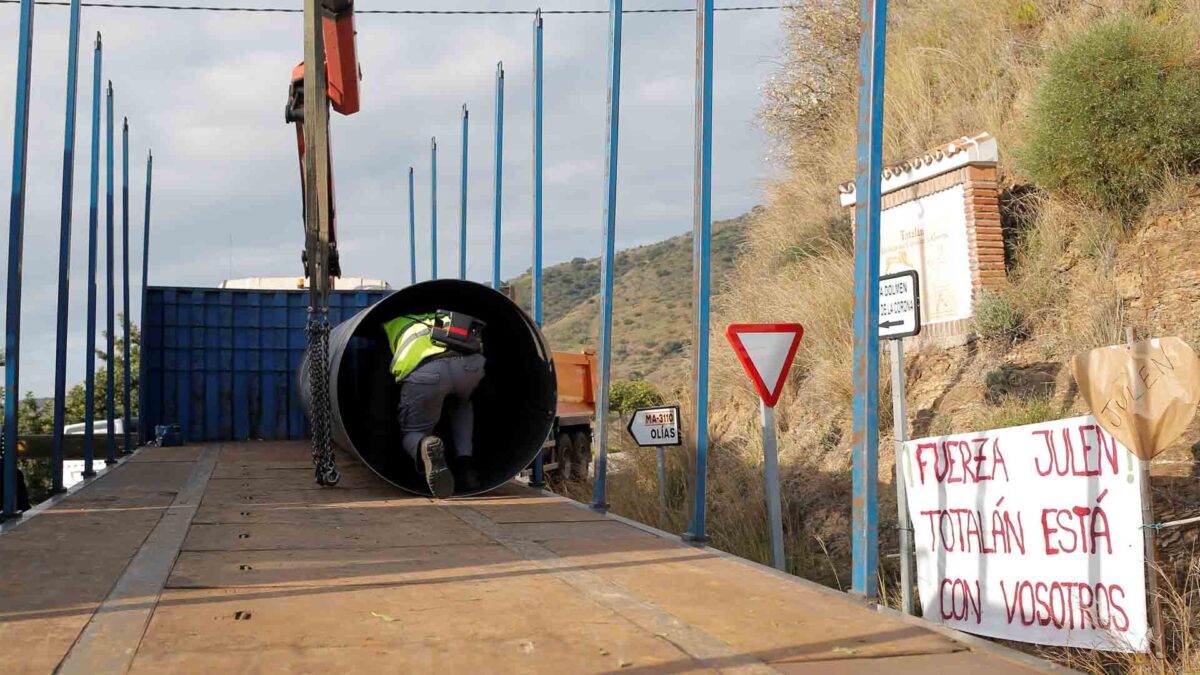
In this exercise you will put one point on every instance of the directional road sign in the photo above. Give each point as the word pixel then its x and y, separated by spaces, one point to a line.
pixel 655 427
pixel 899 305
pixel 766 351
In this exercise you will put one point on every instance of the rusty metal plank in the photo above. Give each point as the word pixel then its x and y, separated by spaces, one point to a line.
pixel 409 532
pixel 478 626
pixel 755 612
pixel 234 469
pixel 111 638
pixel 412 566
pixel 381 513
pixel 543 512
pixel 698 646
pixel 586 529
pixel 187 453
pixel 295 480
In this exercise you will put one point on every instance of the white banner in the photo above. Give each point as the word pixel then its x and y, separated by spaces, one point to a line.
pixel 1030 533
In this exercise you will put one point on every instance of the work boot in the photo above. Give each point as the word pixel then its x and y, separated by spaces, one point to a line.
pixel 437 474
pixel 468 474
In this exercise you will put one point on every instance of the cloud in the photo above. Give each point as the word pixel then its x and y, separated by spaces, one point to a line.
pixel 207 91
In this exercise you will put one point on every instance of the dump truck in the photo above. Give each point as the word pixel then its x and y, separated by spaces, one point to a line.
pixel 568 451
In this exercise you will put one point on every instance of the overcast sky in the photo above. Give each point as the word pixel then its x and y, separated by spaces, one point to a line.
pixel 206 91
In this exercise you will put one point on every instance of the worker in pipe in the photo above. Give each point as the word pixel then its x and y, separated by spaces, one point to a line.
pixel 513 407
pixel 437 361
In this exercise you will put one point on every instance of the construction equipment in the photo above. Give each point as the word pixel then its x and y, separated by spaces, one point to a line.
pixel 341 89
pixel 567 453
pixel 328 39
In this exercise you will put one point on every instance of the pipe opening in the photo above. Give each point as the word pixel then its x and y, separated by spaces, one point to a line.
pixel 514 404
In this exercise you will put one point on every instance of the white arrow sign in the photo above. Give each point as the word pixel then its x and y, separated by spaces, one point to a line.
pixel 655 427
pixel 899 305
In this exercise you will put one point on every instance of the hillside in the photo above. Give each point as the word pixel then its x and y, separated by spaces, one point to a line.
pixel 1095 105
pixel 652 302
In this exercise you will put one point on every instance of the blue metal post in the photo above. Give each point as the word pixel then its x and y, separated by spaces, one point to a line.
pixel 701 257
pixel 64 252
pixel 143 430
pixel 599 488
pixel 16 235
pixel 89 421
pixel 868 177
pixel 433 208
pixel 537 167
pixel 539 477
pixel 499 190
pixel 462 203
pixel 128 351
pixel 110 390
pixel 412 229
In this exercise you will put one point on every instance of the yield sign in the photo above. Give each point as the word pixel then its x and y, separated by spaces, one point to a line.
pixel 766 351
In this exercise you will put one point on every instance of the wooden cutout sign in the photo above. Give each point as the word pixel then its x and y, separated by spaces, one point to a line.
pixel 1145 394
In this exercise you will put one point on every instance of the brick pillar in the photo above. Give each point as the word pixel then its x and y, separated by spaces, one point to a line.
pixel 984 236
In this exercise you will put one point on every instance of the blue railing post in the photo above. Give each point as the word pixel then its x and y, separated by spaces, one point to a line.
pixel 110 390
pixel 539 477
pixel 143 430
pixel 868 177
pixel 128 350
pixel 701 256
pixel 433 208
pixel 16 235
pixel 64 253
pixel 89 421
pixel 412 229
pixel 462 203
pixel 599 487
pixel 499 186
pixel 537 167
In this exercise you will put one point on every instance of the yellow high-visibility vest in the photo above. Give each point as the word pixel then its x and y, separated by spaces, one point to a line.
pixel 411 343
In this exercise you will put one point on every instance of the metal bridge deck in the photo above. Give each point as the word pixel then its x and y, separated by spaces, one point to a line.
pixel 228 557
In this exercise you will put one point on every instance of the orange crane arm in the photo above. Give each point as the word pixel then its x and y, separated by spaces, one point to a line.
pixel 341 68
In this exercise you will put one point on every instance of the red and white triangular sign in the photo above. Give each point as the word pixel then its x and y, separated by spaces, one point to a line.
pixel 766 351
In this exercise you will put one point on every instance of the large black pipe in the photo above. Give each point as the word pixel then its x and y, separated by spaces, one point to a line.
pixel 514 405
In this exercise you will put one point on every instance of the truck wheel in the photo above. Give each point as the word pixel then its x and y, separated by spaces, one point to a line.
pixel 582 461
pixel 564 454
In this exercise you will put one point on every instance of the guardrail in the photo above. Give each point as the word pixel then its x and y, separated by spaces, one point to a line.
pixel 42 446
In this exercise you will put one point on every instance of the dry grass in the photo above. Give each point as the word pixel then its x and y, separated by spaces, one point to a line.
pixel 955 67
pixel 1179 594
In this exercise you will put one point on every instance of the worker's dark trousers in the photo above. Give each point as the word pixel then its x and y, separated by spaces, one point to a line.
pixel 441 385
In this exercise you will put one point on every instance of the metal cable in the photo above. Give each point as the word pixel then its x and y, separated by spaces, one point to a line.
pixel 448 12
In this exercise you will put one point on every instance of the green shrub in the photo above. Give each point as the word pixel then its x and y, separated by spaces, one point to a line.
pixel 671 347
pixel 1117 106
pixel 997 318
pixel 626 396
pixel 1016 411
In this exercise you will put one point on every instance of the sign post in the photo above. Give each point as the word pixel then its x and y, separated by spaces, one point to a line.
pixel 766 351
pixel 900 317
pixel 657 428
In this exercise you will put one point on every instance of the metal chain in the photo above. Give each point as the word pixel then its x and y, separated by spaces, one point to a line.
pixel 318 374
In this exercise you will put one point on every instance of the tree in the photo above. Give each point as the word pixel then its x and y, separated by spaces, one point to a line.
pixel 34 416
pixel 76 404
pixel 626 396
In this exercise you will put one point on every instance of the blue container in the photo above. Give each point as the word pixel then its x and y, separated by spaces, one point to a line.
pixel 222 363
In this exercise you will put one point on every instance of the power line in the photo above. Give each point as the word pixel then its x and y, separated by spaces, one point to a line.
pixel 476 12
